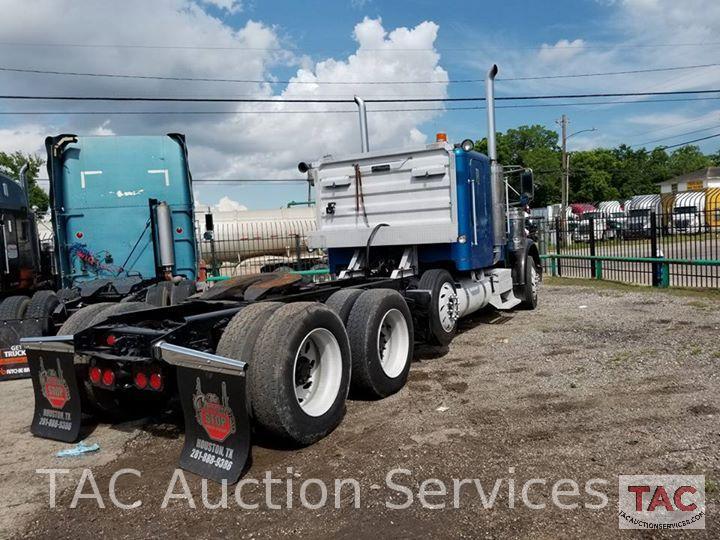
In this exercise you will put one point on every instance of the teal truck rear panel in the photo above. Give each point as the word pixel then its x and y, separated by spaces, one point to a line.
pixel 100 190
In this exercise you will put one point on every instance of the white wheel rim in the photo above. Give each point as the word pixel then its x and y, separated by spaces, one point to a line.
pixel 447 306
pixel 393 343
pixel 317 372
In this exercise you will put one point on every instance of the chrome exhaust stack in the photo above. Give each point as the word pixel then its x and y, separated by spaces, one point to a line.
pixel 497 187
pixel 364 137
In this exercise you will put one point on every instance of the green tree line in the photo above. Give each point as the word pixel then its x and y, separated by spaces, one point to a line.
pixel 10 164
pixel 601 174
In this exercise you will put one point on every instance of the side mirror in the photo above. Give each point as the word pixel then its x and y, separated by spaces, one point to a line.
pixel 527 184
pixel 209 225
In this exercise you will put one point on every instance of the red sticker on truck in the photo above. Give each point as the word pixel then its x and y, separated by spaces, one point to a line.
pixel 215 417
pixel 53 386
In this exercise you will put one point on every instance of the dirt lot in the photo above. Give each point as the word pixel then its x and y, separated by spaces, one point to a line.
pixel 597 382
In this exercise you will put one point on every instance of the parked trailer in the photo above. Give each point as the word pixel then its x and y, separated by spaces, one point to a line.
pixel 121 212
pixel 639 211
pixel 418 237
pixel 688 213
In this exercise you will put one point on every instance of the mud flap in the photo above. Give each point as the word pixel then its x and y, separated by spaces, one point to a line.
pixel 58 413
pixel 217 426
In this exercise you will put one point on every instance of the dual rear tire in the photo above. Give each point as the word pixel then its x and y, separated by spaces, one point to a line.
pixel 301 357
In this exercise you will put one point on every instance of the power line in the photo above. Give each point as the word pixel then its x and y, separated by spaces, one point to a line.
pixel 336 111
pixel 345 83
pixel 626 72
pixel 363 49
pixel 348 100
pixel 692 141
pixel 665 128
pixel 673 136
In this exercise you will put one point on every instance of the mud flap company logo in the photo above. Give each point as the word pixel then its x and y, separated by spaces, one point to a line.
pixel 53 386
pixel 216 418
pixel 661 502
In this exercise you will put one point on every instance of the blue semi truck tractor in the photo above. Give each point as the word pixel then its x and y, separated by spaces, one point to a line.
pixel 123 232
pixel 417 238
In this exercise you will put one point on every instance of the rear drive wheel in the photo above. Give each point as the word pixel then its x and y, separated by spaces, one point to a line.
pixel 381 340
pixel 118 308
pixel 40 309
pixel 444 309
pixel 342 301
pixel 13 308
pixel 241 333
pixel 299 375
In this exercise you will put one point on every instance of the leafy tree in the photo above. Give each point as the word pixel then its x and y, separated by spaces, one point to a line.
pixel 534 147
pixel 11 164
pixel 688 159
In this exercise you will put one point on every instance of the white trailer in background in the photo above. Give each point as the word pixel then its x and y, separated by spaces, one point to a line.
pixel 688 213
pixel 639 215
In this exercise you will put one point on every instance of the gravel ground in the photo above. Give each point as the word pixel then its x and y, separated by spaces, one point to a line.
pixel 598 381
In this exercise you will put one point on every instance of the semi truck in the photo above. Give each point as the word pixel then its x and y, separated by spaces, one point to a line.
pixel 417 239
pixel 24 268
pixel 122 219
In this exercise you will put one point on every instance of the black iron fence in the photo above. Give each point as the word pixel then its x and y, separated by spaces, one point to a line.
pixel 247 247
pixel 673 249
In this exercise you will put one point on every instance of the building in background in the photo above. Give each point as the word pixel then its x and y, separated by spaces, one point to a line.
pixel 709 177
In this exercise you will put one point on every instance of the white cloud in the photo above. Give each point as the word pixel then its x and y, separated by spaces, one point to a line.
pixel 234 146
pixel 226 204
pixel 562 50
pixel 27 138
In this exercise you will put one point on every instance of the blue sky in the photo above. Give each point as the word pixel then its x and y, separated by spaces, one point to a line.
pixel 355 41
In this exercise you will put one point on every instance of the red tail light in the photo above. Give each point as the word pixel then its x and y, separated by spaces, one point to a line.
pixel 108 377
pixel 95 374
pixel 111 340
pixel 141 380
pixel 156 381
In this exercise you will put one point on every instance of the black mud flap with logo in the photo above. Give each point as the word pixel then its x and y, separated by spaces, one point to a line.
pixel 217 426
pixel 57 400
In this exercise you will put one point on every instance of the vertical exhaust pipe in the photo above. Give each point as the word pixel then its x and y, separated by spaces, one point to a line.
pixel 490 101
pixel 364 138
pixel 497 184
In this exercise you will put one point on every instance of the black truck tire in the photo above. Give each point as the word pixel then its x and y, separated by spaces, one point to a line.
pixel 299 374
pixel 442 321
pixel 118 308
pixel 82 318
pixel 158 294
pixel 342 301
pixel 528 293
pixel 40 309
pixel 381 340
pixel 181 291
pixel 240 335
pixel 13 308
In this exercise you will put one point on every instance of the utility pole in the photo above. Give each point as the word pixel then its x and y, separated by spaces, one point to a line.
pixel 565 170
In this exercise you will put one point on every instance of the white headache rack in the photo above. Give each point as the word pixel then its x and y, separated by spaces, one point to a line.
pixel 412 191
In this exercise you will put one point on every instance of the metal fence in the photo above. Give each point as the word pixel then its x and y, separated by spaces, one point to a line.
pixel 249 247
pixel 672 249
